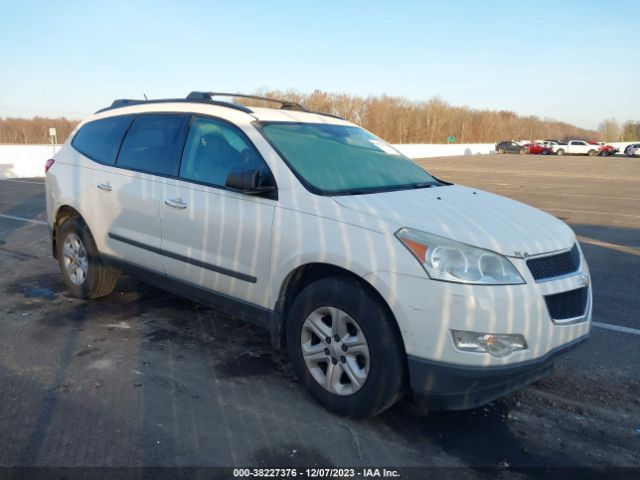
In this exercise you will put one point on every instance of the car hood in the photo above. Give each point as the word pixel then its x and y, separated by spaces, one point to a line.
pixel 471 216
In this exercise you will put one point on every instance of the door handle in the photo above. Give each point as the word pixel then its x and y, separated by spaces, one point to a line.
pixel 175 203
pixel 104 186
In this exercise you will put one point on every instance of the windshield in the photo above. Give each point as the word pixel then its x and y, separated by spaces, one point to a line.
pixel 339 159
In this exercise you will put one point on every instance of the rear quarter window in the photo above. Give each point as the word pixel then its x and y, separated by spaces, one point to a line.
pixel 152 143
pixel 100 140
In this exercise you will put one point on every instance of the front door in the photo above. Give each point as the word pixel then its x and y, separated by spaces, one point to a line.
pixel 213 237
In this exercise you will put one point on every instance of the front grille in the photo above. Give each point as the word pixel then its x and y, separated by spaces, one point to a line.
pixel 552 266
pixel 565 305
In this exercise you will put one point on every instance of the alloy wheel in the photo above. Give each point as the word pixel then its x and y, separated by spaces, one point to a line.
pixel 76 262
pixel 335 350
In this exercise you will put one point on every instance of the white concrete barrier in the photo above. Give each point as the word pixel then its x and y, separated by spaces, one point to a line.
pixel 425 150
pixel 28 160
pixel 621 145
pixel 24 160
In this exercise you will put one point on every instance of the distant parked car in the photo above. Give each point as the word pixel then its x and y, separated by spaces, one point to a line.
pixel 576 147
pixel 632 150
pixel 606 150
pixel 551 143
pixel 510 147
pixel 537 149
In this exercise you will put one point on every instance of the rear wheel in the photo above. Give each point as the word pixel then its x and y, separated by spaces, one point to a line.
pixel 560 152
pixel 82 269
pixel 591 153
pixel 501 150
pixel 523 151
pixel 345 348
pixel 544 152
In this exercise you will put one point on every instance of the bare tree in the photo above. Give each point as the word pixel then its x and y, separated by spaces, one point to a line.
pixel 609 130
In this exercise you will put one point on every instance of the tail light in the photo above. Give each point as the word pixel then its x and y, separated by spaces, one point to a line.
pixel 49 164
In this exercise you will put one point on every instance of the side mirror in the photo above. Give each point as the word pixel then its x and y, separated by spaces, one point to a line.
pixel 247 181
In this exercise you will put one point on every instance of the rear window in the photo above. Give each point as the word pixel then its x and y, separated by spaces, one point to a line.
pixel 152 142
pixel 99 140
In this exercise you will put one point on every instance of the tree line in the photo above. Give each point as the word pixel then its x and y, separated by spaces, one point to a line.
pixel 612 131
pixel 399 120
pixel 395 119
pixel 35 130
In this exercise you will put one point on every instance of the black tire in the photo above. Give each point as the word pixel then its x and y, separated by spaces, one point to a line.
pixel 100 280
pixel 387 376
pixel 500 151
pixel 544 152
pixel 560 152
pixel 591 153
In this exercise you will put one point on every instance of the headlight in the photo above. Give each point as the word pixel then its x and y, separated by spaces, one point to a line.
pixel 451 261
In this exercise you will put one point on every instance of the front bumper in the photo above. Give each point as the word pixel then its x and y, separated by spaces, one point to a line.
pixel 427 310
pixel 443 386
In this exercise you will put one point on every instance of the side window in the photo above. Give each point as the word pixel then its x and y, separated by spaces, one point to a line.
pixel 100 139
pixel 151 143
pixel 212 149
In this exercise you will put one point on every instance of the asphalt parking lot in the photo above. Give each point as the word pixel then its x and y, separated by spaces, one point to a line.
pixel 144 378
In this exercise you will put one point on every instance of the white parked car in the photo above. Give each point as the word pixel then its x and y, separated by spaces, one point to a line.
pixel 376 276
pixel 632 150
pixel 576 147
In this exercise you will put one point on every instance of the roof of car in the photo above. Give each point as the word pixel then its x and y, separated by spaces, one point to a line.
pixel 234 115
pixel 206 102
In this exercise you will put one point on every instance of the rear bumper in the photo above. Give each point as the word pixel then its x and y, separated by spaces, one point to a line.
pixel 442 386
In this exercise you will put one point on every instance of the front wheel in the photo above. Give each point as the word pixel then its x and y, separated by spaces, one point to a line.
pixel 345 348
pixel 82 269
pixel 544 152
pixel 560 152
pixel 524 151
pixel 501 150
pixel 592 153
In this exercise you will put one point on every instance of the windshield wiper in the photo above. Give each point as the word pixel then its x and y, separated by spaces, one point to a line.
pixel 357 191
pixel 364 191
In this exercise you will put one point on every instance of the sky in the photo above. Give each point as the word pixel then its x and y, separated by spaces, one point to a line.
pixel 574 61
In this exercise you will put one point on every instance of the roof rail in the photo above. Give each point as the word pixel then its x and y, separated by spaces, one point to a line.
pixel 207 97
pixel 284 104
pixel 126 102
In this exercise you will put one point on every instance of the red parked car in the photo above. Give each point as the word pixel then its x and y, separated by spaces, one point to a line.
pixel 604 150
pixel 537 149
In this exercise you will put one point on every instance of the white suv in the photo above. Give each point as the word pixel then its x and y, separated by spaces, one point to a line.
pixel 377 277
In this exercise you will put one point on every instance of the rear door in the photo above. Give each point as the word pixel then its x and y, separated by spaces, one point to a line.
pixel 213 237
pixel 97 144
pixel 133 189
